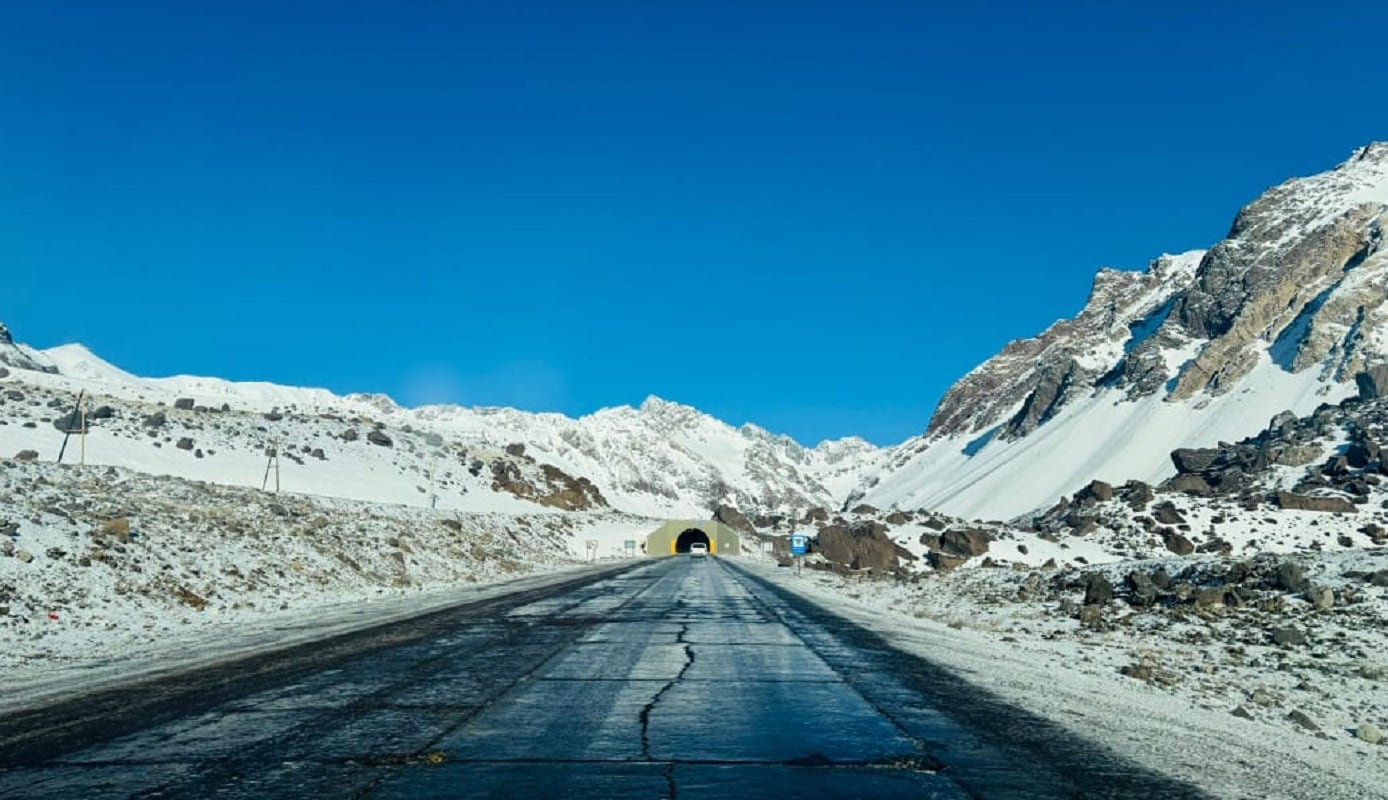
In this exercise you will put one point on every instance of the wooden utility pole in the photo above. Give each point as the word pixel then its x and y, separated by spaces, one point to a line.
pixel 273 451
pixel 82 418
pixel 67 429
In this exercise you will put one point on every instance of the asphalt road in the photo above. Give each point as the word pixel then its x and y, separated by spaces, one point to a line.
pixel 679 678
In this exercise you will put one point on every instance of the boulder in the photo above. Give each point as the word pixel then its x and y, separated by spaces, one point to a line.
pixel 26 455
pixel 184 443
pixel 1332 503
pixel 184 404
pixel 515 449
pixel 1190 484
pixel 943 562
pixel 1300 718
pixel 966 543
pixel 863 546
pixel 1372 382
pixel 733 518
pixel 1369 733
pixel 1177 543
pixel 379 437
pixel 351 435
pixel 1167 514
pixel 156 420
pixel 1362 453
pixel 1189 459
pixel 1143 590
pixel 1097 590
pixel 1097 491
pixel 1290 577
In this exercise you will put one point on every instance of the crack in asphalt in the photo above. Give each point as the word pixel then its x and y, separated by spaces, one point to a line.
pixel 646 710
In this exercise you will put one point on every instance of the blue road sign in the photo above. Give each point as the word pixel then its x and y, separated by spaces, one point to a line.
pixel 799 544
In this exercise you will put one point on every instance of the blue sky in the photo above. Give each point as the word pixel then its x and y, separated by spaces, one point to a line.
pixel 812 216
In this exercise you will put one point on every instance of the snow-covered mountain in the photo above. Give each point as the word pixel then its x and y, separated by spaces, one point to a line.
pixel 661 459
pixel 1201 347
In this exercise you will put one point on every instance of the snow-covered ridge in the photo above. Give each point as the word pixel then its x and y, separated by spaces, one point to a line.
pixel 661 459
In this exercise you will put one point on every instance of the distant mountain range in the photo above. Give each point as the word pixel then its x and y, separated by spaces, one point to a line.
pixel 1201 347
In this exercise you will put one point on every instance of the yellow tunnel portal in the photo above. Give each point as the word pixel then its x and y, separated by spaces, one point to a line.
pixel 676 536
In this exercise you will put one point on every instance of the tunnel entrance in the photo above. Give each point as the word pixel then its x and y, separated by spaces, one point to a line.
pixel 689 537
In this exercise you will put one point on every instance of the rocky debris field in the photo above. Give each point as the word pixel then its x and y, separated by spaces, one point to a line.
pixel 1203 692
pixel 96 560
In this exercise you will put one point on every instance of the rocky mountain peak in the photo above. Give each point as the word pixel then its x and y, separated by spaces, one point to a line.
pixel 5 337
pixel 1298 281
pixel 1031 379
pixel 1284 311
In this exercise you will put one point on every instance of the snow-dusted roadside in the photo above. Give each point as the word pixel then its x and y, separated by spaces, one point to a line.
pixel 212 639
pixel 106 572
pixel 1013 651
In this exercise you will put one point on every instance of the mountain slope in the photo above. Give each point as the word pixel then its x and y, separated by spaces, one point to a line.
pixel 660 460
pixel 1201 347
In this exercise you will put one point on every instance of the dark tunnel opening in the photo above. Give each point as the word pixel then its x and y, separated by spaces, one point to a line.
pixel 689 537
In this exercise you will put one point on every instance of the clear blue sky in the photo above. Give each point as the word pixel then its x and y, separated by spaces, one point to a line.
pixel 812 216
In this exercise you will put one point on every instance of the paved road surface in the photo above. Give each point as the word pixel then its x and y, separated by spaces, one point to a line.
pixel 679 678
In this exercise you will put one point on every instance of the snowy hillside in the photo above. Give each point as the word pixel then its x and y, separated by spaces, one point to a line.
pixel 1202 347
pixel 660 460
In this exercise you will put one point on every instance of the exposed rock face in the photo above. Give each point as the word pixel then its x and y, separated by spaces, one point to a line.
pixel 1046 372
pixel 1301 272
pixel 862 546
pixel 550 487
pixel 733 518
pixel 1296 289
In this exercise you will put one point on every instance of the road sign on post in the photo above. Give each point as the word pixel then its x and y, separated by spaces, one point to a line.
pixel 593 549
pixel 799 546
pixel 630 547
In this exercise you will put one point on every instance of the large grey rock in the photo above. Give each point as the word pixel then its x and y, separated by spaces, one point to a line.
pixel 1290 577
pixel 1373 382
pixel 733 518
pixel 1301 718
pixel 1177 543
pixel 1306 503
pixel 1368 732
pixel 1192 459
pixel 967 543
pixel 864 546
pixel 1097 590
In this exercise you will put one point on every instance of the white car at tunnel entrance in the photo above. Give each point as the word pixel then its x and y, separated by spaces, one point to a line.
pixel 698 550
